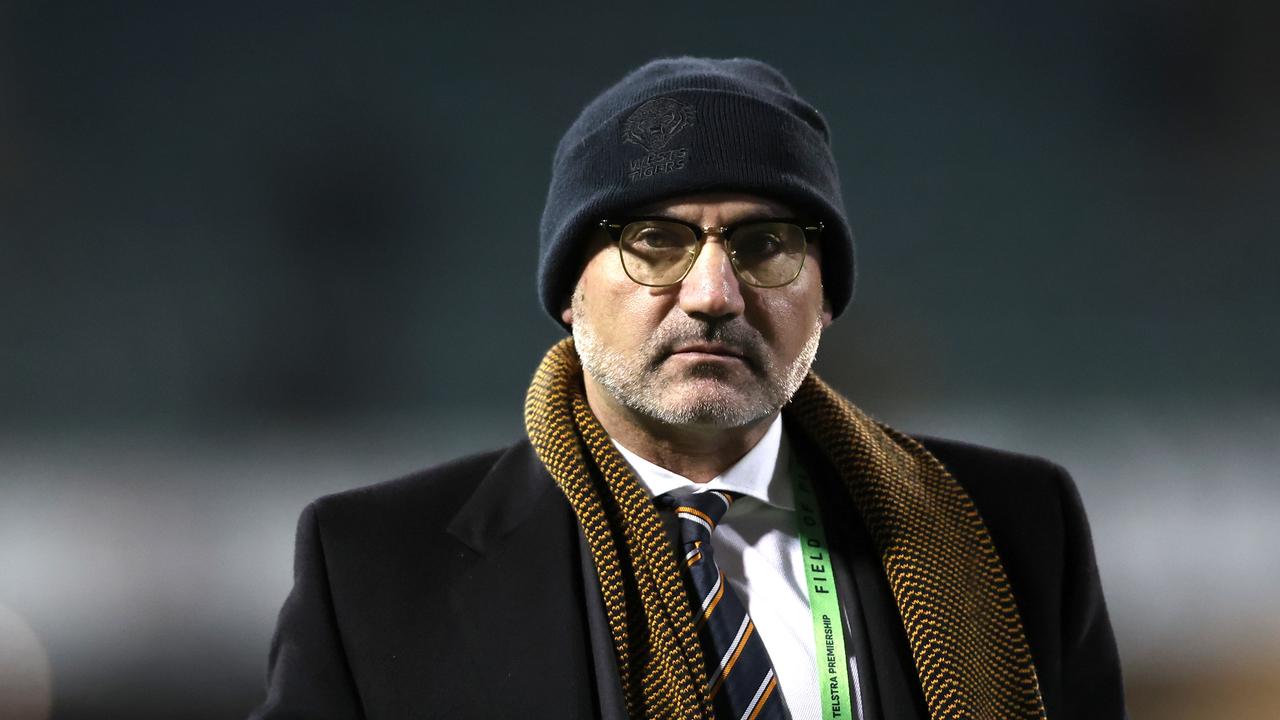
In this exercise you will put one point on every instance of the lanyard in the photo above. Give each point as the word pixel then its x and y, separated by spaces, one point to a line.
pixel 828 628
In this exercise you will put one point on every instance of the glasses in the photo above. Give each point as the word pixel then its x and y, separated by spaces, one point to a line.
pixel 765 253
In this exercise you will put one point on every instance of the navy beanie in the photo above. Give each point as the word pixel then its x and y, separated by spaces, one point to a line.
pixel 678 126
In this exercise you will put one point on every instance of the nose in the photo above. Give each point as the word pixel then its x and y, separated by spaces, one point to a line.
pixel 711 288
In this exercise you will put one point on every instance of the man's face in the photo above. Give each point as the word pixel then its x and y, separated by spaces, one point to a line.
pixel 710 350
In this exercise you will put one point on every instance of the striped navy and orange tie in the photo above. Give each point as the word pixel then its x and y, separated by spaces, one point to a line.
pixel 740 676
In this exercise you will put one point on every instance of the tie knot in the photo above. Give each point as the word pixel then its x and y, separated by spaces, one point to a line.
pixel 700 512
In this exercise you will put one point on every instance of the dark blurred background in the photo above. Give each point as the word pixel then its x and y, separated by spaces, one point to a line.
pixel 254 253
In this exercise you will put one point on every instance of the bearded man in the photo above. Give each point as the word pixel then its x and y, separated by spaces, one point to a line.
pixel 696 526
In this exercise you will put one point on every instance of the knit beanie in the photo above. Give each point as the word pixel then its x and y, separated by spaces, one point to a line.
pixel 679 126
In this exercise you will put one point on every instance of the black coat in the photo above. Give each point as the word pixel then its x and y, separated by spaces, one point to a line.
pixel 465 591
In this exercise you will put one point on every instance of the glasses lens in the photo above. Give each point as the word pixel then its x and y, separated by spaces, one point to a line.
pixel 768 254
pixel 656 252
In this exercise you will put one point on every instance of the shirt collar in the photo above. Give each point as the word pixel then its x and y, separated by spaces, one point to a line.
pixel 761 473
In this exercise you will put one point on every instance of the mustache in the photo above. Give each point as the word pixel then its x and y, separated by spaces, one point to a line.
pixel 735 334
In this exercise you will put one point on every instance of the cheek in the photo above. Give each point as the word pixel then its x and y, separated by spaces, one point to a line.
pixel 786 318
pixel 622 312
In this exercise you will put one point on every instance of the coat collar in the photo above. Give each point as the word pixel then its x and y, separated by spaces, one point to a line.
pixel 504 499
pixel 517 498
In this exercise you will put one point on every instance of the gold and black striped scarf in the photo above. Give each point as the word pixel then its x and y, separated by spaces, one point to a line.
pixel 957 608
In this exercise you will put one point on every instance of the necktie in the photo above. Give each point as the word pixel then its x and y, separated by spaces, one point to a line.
pixel 740 676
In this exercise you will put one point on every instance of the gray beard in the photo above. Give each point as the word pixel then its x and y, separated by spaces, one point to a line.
pixel 635 380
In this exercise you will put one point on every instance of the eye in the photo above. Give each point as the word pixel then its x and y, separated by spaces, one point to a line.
pixel 658 238
pixel 753 244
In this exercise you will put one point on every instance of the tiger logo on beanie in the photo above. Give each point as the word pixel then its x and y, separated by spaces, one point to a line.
pixel 655 123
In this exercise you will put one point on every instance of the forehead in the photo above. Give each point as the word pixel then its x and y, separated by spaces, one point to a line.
pixel 719 206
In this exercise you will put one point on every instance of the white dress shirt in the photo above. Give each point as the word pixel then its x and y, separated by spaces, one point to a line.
pixel 756 547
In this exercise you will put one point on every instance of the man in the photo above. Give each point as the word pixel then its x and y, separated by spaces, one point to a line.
pixel 696 526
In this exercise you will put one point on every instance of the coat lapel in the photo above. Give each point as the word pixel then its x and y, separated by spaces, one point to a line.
pixel 890 684
pixel 605 662
pixel 896 680
pixel 527 571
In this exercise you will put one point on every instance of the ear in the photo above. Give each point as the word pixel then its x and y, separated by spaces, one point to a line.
pixel 826 317
pixel 567 314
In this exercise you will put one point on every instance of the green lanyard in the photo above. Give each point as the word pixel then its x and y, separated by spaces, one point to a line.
pixel 828 628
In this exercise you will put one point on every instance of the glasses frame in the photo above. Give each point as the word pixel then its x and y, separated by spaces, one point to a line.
pixel 812 230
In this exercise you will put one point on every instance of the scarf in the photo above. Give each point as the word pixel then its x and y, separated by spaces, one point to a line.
pixel 957 608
